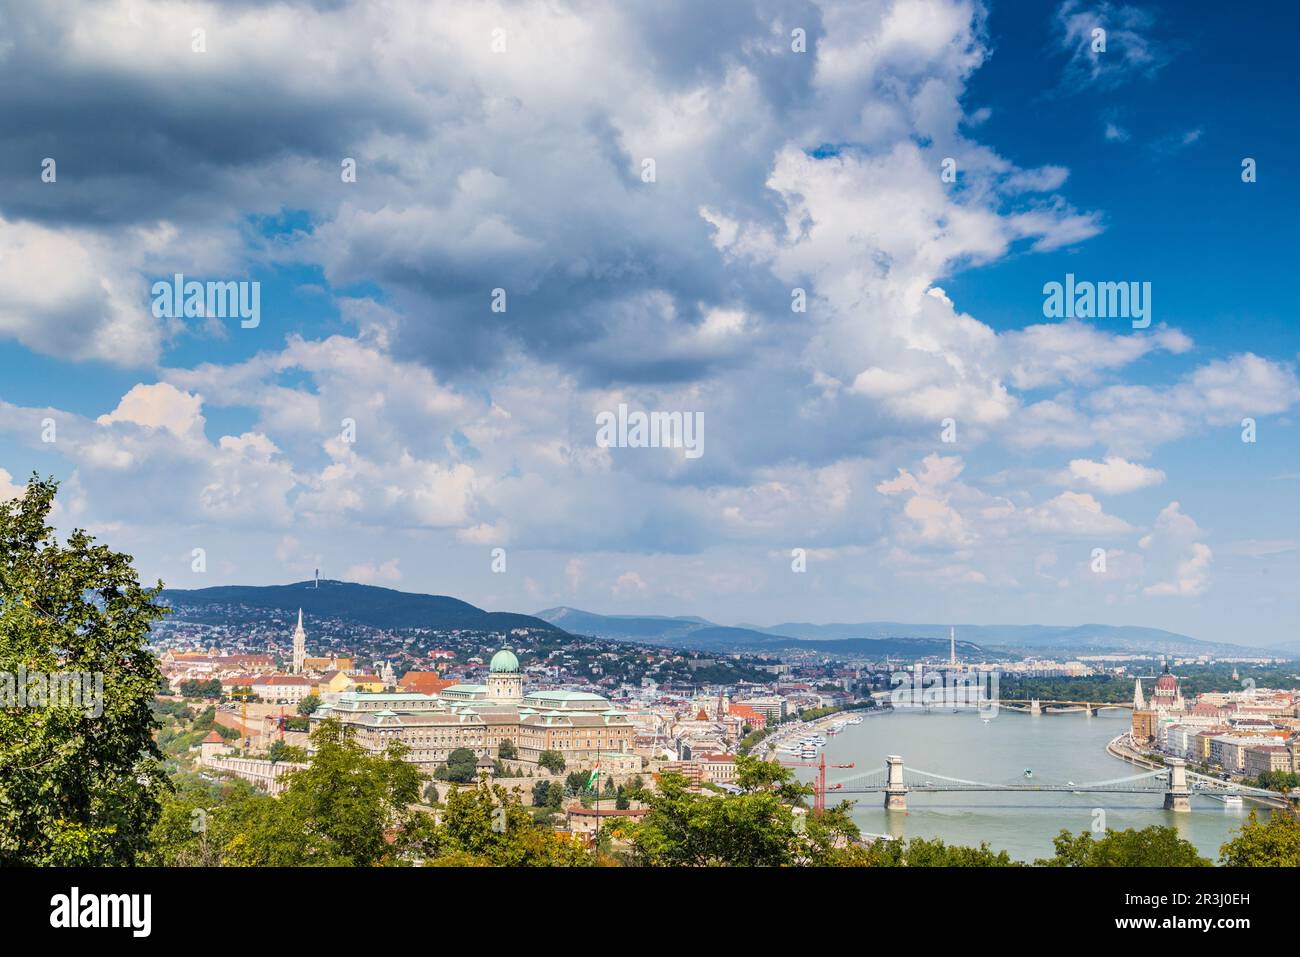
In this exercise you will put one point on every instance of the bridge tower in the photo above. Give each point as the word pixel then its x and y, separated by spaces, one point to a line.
pixel 1179 796
pixel 895 789
pixel 1035 707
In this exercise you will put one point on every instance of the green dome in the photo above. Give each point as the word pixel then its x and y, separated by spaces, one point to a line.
pixel 504 662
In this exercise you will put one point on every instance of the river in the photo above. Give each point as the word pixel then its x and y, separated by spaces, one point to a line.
pixel 1058 748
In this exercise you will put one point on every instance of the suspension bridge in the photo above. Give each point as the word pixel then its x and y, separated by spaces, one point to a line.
pixel 1174 782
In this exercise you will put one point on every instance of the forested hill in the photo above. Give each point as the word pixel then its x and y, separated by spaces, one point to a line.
pixel 347 601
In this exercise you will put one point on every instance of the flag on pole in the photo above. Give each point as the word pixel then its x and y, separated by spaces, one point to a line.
pixel 591 781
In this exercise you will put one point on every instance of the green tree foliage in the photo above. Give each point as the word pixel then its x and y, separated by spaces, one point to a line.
pixel 308 705
pixel 195 824
pixel 194 688
pixel 551 761
pixel 1271 843
pixel 1150 847
pixel 347 808
pixel 920 852
pixel 487 825
pixel 763 826
pixel 279 751
pixel 205 719
pixel 575 783
pixel 76 788
pixel 506 750
pixel 461 767
pixel 1284 781
pixel 1106 688
pixel 171 709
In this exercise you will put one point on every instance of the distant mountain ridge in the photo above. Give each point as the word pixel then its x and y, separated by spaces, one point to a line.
pixel 1062 639
pixel 1086 638
pixel 623 626
pixel 363 604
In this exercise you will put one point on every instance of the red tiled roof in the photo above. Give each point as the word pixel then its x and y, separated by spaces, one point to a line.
pixel 282 680
pixel 424 682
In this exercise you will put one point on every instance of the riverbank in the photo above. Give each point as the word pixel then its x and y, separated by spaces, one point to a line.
pixel 1121 747
pixel 794 730
pixel 1118 747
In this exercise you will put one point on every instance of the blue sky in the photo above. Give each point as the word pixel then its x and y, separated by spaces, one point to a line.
pixel 503 146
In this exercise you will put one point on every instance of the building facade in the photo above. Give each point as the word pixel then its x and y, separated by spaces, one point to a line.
pixel 578 725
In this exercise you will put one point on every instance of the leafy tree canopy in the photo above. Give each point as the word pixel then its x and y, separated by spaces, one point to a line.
pixel 763 826
pixel 1271 843
pixel 551 761
pixel 1150 847
pixel 79 782
pixel 461 766
pixel 347 808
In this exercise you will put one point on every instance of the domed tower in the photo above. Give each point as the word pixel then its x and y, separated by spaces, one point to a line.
pixel 505 682
pixel 1167 696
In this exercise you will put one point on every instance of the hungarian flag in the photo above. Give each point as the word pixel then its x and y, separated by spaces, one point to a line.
pixel 592 781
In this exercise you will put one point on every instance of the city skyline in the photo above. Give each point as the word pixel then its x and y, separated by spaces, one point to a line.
pixel 836 269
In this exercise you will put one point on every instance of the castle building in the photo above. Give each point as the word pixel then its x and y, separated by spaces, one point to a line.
pixel 579 725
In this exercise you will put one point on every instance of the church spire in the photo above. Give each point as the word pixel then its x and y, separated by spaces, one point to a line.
pixel 299 646
pixel 1139 700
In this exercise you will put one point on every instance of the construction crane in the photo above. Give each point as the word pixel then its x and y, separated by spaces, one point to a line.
pixel 819 786
pixel 243 694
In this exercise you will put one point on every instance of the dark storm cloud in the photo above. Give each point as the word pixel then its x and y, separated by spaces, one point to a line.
pixel 135 146
pixel 608 276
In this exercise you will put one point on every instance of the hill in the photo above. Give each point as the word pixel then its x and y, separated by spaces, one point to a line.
pixel 633 627
pixel 699 633
pixel 1059 639
pixel 363 604
pixel 899 638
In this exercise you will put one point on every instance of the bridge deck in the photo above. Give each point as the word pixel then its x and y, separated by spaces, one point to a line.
pixel 1155 781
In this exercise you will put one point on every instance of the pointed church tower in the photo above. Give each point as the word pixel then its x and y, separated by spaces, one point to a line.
pixel 1139 701
pixel 299 646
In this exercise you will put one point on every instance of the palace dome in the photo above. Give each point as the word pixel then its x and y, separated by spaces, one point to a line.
pixel 504 662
